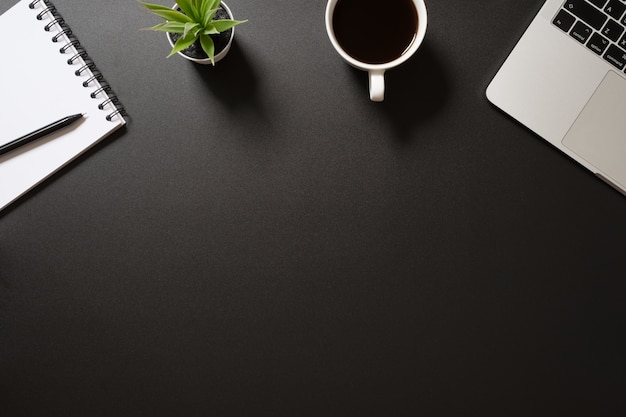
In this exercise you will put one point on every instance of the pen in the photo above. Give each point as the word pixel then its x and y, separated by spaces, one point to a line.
pixel 46 130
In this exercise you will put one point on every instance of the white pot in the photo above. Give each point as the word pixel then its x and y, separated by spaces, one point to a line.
pixel 217 57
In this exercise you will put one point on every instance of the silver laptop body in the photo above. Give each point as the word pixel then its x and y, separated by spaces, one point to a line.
pixel 566 81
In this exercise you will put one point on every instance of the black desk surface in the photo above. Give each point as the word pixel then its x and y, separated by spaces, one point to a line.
pixel 262 240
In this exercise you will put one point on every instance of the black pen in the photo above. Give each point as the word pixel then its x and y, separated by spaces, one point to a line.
pixel 46 130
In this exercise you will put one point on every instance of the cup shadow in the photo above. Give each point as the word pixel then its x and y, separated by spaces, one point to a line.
pixel 414 91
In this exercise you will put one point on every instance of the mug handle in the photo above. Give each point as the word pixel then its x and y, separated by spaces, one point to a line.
pixel 377 85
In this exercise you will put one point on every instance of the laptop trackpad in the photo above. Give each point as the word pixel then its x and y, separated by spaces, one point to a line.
pixel 599 133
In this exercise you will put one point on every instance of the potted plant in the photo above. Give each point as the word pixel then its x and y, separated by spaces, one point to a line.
pixel 199 30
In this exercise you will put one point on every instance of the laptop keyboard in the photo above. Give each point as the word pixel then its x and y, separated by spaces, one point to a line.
pixel 600 25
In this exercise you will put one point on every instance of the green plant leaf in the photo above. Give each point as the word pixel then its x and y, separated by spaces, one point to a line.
pixel 153 7
pixel 187 8
pixel 168 14
pixel 189 27
pixel 210 31
pixel 205 6
pixel 208 46
pixel 208 17
pixel 222 25
pixel 172 27
pixel 182 43
pixel 212 4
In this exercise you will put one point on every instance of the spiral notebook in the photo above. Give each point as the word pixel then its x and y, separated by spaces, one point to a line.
pixel 46 75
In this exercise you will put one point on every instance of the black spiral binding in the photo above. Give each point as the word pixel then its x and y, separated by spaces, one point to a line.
pixel 47 8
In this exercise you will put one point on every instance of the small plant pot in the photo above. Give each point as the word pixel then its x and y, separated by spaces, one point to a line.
pixel 222 41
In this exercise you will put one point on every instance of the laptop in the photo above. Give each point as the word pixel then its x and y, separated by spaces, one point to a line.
pixel 566 81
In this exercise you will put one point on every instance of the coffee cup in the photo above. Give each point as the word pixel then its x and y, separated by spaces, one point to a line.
pixel 375 36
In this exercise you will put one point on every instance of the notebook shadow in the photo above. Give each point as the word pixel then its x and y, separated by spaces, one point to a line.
pixel 414 91
pixel 64 170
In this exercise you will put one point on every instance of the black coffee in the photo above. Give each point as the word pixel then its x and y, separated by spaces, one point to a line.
pixel 375 31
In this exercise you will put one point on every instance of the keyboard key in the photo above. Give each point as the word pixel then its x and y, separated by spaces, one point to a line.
pixel 615 9
pixel 616 56
pixel 598 43
pixel 586 12
pixel 581 32
pixel 612 30
pixel 622 42
pixel 564 20
pixel 598 3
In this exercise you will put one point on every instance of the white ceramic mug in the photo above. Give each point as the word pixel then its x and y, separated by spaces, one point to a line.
pixel 377 71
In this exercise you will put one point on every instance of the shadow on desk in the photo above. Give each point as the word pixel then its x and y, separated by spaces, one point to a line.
pixel 414 91
pixel 83 157
pixel 233 81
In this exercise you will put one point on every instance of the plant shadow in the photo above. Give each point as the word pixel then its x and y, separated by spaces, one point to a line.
pixel 233 80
